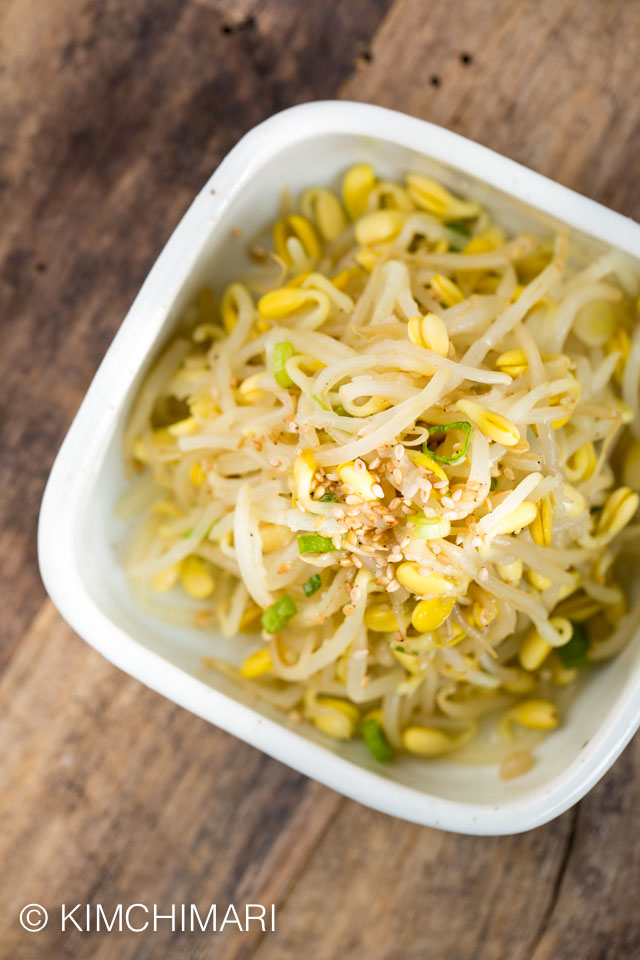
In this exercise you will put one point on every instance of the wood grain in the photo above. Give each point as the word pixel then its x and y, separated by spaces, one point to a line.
pixel 114 112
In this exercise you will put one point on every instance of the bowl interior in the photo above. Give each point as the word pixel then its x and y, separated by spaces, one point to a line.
pixel 98 534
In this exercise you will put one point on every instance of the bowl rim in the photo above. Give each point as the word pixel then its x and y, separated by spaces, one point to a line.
pixel 76 464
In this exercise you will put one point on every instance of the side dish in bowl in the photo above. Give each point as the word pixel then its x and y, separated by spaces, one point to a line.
pixel 248 423
pixel 403 452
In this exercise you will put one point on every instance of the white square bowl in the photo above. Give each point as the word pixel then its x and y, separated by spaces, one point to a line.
pixel 79 534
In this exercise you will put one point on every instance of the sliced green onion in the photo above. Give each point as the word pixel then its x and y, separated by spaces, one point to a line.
pixel 575 653
pixel 312 584
pixel 329 497
pixel 282 352
pixel 278 614
pixel 321 403
pixel 374 738
pixel 314 543
pixel 458 227
pixel 494 484
pixel 463 425
pixel 428 528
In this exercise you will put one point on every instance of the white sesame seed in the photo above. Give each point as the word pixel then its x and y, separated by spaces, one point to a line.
pixel 359 465
pixel 447 502
pixel 397 476
pixel 375 463
pixel 476 541
pixel 457 495
pixel 483 574
pixel 441 484
pixel 355 594
pixel 348 609
pixel 353 499
pixel 398 452
pixel 377 490
pixel 393 586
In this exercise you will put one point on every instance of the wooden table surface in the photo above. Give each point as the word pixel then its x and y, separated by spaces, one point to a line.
pixel 114 112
